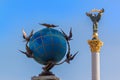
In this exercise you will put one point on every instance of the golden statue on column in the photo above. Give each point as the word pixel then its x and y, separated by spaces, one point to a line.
pixel 95 43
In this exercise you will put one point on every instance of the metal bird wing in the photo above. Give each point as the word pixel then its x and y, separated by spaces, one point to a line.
pixel 22 52
pixel 74 55
pixel 31 34
pixel 24 34
pixel 52 25
pixel 44 24
pixel 70 34
pixel 47 25
pixel 63 32
pixel 65 35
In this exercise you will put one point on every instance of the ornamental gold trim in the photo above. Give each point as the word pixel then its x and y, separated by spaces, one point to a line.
pixel 95 45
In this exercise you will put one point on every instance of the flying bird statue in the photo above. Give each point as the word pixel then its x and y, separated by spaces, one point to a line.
pixel 27 38
pixel 70 57
pixel 49 25
pixel 68 38
pixel 28 52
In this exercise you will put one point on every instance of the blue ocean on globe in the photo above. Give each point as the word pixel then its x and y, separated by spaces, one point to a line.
pixel 47 45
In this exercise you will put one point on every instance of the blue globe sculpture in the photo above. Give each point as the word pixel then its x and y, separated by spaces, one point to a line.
pixel 47 45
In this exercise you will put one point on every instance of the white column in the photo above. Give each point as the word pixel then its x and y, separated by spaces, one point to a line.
pixel 95 66
pixel 95 46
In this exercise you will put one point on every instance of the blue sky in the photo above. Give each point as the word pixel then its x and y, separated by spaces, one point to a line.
pixel 18 14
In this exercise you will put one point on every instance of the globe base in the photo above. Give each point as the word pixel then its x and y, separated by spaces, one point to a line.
pixel 50 77
pixel 46 73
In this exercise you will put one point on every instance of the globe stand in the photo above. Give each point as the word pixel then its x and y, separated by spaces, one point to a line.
pixel 45 78
pixel 46 73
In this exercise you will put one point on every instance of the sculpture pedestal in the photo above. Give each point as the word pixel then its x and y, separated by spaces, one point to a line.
pixel 51 77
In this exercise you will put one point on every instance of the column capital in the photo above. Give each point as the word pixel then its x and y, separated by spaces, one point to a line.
pixel 95 45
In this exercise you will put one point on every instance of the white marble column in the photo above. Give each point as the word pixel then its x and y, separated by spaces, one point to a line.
pixel 95 66
pixel 95 46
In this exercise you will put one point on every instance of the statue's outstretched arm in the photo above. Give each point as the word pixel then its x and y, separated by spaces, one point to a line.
pixel 99 14
pixel 98 17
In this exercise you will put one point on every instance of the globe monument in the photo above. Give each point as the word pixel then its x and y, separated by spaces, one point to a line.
pixel 48 47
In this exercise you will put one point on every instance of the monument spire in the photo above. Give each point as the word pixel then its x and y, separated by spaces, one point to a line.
pixel 95 44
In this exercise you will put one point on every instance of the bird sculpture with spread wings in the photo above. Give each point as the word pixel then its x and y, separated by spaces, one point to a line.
pixel 48 25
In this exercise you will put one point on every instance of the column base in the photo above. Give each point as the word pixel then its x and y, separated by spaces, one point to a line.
pixel 51 77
